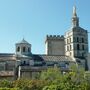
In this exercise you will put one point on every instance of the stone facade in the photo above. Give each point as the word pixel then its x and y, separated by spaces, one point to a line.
pixel 55 45
pixel 76 42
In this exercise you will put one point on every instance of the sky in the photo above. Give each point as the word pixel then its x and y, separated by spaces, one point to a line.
pixel 34 19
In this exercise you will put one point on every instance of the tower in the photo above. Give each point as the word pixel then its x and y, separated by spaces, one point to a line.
pixel 76 39
pixel 23 53
pixel 23 48
pixel 55 45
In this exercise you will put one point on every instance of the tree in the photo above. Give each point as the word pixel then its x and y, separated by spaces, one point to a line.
pixel 5 83
pixel 51 74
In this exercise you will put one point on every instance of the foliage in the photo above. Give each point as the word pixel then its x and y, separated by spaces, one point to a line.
pixel 9 89
pixel 22 84
pixel 51 74
pixel 51 79
pixel 26 84
pixel 5 83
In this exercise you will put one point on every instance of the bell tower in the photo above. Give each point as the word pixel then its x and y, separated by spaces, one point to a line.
pixel 76 39
pixel 23 48
pixel 23 53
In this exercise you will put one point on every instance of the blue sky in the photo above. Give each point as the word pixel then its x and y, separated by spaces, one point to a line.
pixel 34 19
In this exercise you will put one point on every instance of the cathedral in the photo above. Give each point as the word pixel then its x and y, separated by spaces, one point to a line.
pixel 61 51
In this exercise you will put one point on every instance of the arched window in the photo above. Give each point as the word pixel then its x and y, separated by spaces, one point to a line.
pixel 24 49
pixel 78 47
pixel 67 41
pixel 18 49
pixel 70 40
pixel 67 48
pixel 70 47
pixel 82 40
pixel 82 47
pixel 77 39
pixel 24 62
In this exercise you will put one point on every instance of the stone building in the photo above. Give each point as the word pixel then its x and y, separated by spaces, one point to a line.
pixel 61 51
pixel 76 41
pixel 55 45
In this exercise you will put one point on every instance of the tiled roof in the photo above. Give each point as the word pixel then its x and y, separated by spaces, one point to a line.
pixel 52 58
pixel 38 57
pixel 7 56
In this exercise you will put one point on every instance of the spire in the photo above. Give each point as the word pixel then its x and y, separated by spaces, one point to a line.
pixel 75 19
pixel 74 11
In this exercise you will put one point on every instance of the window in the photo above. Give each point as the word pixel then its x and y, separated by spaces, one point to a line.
pixel 2 66
pixel 67 41
pixel 67 48
pixel 82 40
pixel 74 39
pixel 24 49
pixel 70 47
pixel 70 40
pixel 78 47
pixel 77 39
pixel 18 49
pixel 82 47
pixel 24 62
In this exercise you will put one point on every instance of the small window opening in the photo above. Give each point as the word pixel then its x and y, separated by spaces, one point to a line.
pixel 18 49
pixel 24 49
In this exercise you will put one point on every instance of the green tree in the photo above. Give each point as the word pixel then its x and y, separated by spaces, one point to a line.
pixel 5 83
pixel 51 74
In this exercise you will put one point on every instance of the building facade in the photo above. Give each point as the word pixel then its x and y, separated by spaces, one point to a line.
pixel 55 45
pixel 61 51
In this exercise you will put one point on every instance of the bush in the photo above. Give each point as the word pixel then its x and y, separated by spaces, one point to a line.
pixel 9 89
pixel 5 83
pixel 51 79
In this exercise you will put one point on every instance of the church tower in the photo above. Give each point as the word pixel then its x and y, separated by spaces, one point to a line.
pixel 76 39
pixel 23 53
pixel 23 48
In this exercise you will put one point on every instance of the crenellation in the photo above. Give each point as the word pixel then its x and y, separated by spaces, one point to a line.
pixel 54 37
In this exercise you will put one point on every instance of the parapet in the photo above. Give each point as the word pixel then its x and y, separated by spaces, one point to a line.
pixel 54 37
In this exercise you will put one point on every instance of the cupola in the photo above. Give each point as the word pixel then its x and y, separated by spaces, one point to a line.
pixel 23 48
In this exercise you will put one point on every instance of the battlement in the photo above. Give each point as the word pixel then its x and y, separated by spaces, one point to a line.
pixel 54 37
